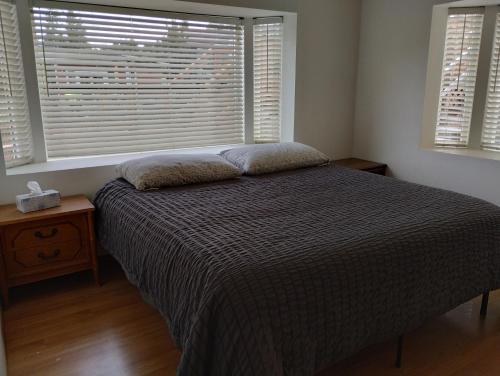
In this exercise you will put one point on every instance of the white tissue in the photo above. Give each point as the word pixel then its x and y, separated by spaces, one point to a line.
pixel 34 188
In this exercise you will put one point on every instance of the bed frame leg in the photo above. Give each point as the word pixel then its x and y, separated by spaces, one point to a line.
pixel 399 352
pixel 484 304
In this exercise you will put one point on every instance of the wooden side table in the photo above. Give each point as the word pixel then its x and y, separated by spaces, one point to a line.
pixel 363 165
pixel 46 243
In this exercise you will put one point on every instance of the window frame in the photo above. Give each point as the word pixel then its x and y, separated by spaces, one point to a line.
pixel 494 59
pixel 444 114
pixel 40 160
pixel 265 110
pixel 17 131
pixel 433 83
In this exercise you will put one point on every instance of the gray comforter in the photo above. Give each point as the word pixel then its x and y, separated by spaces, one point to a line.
pixel 287 273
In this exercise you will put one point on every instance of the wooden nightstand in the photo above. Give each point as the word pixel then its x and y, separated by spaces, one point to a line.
pixel 46 243
pixel 363 165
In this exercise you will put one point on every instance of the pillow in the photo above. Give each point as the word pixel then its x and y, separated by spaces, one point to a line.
pixel 168 170
pixel 267 158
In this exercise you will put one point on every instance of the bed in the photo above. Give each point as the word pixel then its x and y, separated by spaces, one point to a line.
pixel 285 274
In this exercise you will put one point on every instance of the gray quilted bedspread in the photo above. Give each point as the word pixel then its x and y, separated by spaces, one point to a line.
pixel 288 273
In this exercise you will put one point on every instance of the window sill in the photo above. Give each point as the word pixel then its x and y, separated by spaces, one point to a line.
pixel 102 161
pixel 481 154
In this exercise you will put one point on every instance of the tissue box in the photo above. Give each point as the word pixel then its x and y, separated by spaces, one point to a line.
pixel 28 202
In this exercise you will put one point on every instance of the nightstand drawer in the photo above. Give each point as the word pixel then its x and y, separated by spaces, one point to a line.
pixel 38 259
pixel 46 244
pixel 41 233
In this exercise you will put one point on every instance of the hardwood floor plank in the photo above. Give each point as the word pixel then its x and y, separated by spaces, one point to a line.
pixel 68 326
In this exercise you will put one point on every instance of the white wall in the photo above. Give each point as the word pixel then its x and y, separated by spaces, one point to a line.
pixel 327 54
pixel 283 5
pixel 393 53
pixel 326 72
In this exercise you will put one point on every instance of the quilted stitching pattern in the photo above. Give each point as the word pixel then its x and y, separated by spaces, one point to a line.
pixel 287 273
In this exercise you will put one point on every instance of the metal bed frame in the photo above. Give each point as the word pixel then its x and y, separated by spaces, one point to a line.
pixel 399 351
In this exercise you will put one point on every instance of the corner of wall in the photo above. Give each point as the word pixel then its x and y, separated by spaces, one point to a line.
pixel 356 79
pixel 327 60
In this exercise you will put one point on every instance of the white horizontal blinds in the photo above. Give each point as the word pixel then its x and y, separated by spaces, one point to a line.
pixel 115 83
pixel 14 116
pixel 461 56
pixel 491 123
pixel 267 52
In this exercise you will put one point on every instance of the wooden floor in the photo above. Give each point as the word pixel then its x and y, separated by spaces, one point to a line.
pixel 68 326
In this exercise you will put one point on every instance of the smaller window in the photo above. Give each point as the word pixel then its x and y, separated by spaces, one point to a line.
pixel 267 52
pixel 458 81
pixel 14 116
pixel 491 124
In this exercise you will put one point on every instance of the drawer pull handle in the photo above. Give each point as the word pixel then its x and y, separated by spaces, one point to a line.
pixel 45 257
pixel 53 233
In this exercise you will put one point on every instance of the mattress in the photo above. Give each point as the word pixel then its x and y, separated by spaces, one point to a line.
pixel 285 274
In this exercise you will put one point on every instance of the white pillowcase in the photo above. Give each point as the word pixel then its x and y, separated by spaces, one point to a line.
pixel 267 158
pixel 168 170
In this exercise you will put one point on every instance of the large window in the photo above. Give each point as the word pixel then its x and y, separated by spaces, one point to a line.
pixel 14 115
pixel 113 80
pixel 112 83
pixel 469 100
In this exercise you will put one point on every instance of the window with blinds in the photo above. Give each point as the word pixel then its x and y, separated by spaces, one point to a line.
pixel 458 83
pixel 491 123
pixel 267 52
pixel 14 115
pixel 112 82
